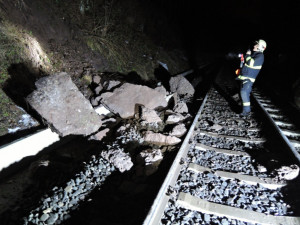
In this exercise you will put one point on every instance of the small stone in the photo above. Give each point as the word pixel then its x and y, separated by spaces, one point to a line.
pixel 67 216
pixel 98 89
pixel 48 210
pixel 44 217
pixel 52 219
pixel 288 172
pixel 207 218
pixel 224 222
pixel 261 169
pixel 68 188
pixel 97 79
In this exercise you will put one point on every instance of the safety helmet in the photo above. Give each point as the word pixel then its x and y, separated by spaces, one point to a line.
pixel 261 45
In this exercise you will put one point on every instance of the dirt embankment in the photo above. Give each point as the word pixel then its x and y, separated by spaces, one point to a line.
pixel 82 38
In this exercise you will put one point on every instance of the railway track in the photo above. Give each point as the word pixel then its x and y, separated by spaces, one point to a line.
pixel 287 129
pixel 229 171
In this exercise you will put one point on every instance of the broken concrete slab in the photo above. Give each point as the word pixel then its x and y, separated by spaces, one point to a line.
pixel 123 100
pixel 59 101
pixel 160 139
pixel 181 85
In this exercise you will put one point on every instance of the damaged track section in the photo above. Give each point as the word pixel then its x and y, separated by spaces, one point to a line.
pixel 50 191
pixel 223 173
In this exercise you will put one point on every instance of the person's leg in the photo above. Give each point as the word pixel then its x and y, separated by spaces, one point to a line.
pixel 245 95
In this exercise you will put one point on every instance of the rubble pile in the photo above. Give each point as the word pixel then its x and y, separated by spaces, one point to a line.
pixel 135 126
pixel 154 118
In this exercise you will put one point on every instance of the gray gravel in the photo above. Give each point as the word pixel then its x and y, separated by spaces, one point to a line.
pixel 218 161
pixel 220 142
pixel 232 192
pixel 55 207
pixel 177 215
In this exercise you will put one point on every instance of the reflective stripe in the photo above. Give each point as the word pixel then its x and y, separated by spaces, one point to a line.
pixel 246 103
pixel 245 78
pixel 248 58
pixel 253 67
pixel 251 62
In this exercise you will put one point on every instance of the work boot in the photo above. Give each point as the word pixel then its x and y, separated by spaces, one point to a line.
pixel 246 111
pixel 245 114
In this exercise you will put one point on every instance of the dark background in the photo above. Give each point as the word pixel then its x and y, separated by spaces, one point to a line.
pixel 218 28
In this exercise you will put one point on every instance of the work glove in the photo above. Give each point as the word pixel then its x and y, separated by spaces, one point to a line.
pixel 238 78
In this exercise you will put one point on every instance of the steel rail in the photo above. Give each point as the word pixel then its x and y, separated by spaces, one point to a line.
pixel 287 142
pixel 157 209
pixel 156 212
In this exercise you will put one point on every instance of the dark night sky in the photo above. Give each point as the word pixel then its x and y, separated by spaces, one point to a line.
pixel 231 26
pixel 222 25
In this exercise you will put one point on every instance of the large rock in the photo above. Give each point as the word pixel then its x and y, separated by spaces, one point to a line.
pixel 117 156
pixel 100 135
pixel 150 116
pixel 181 85
pixel 160 139
pixel 161 89
pixel 59 101
pixel 111 84
pixel 174 118
pixel 152 158
pixel 125 98
pixel 179 130
pixel 181 107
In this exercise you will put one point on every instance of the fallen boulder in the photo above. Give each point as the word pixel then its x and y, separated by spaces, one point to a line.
pixel 109 85
pixel 178 131
pixel 100 135
pixel 161 89
pixel 151 159
pixel 181 85
pixel 124 99
pixel 118 158
pixel 150 115
pixel 175 118
pixel 59 101
pixel 160 139
pixel 181 107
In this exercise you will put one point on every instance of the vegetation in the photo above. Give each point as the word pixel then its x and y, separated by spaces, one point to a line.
pixel 118 30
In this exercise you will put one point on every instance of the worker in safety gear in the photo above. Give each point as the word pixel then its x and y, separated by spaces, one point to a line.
pixel 253 63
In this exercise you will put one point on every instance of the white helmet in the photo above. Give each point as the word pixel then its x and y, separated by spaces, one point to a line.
pixel 262 45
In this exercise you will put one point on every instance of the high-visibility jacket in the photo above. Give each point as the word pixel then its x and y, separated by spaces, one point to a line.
pixel 252 66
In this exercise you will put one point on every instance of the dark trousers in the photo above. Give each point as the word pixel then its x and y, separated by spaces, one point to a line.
pixel 245 95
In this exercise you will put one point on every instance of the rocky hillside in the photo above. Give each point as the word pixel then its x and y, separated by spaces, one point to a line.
pixel 84 39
